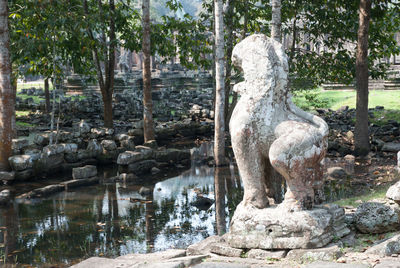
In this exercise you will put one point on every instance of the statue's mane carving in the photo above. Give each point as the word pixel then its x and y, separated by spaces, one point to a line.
pixel 256 56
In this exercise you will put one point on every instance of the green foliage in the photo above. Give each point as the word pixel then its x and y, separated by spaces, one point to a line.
pixel 307 99
pixel 332 25
pixel 44 33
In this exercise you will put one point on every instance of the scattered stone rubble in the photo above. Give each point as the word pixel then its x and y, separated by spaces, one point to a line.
pixel 87 145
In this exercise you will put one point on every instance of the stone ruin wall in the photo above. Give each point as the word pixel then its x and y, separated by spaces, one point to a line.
pixel 176 95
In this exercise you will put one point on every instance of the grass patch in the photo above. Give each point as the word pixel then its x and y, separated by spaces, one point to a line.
pixel 381 118
pixel 367 240
pixel 334 99
pixel 35 84
pixel 21 113
pixel 24 124
pixel 374 194
pixel 36 99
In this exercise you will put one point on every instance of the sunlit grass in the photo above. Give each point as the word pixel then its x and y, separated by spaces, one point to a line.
pixel 335 99
pixel 21 113
pixel 24 124
pixel 354 201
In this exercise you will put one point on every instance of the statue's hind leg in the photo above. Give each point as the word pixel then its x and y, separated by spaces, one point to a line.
pixel 297 154
pixel 251 166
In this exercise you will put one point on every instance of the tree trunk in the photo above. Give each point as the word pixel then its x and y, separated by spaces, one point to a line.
pixel 361 132
pixel 148 124
pixel 6 90
pixel 108 112
pixel 220 174
pixel 47 94
pixel 276 20
pixel 14 84
pixel 228 63
pixel 219 120
pixel 110 69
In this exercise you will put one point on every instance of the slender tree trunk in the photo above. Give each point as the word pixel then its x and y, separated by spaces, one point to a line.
pixel 14 85
pixel 148 124
pixel 213 57
pixel 47 94
pixel 219 120
pixel 220 192
pixel 361 132
pixel 276 20
pixel 6 89
pixel 228 63
pixel 53 110
pixel 108 112
pixel 106 82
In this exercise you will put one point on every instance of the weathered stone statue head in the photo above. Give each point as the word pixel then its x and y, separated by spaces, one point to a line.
pixel 264 65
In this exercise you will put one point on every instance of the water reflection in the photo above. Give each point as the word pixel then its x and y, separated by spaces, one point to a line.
pixel 102 221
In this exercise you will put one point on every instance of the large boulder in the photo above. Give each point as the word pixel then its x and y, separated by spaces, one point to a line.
pixel 393 192
pixel 128 143
pixel 109 145
pixel 142 167
pixel 386 247
pixel 41 139
pixel 70 147
pixel 376 218
pixel 7 176
pixel 53 149
pixel 5 197
pixel 21 162
pixel 130 157
pixel 391 147
pixel 84 127
pixel 94 147
pixel 87 171
pixel 19 144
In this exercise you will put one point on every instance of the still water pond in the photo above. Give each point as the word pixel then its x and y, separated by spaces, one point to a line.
pixel 102 220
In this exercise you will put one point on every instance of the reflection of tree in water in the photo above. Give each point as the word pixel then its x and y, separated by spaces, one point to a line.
pixel 100 221
pixel 8 234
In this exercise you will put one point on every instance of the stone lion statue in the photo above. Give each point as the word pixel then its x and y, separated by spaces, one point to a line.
pixel 269 131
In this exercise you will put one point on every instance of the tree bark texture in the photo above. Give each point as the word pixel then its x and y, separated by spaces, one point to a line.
pixel 14 84
pixel 228 63
pixel 361 132
pixel 276 20
pixel 220 175
pixel 47 94
pixel 148 125
pixel 6 89
pixel 219 120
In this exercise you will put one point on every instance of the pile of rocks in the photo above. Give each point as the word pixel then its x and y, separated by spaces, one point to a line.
pixel 146 159
pixel 168 103
pixel 341 139
pixel 85 144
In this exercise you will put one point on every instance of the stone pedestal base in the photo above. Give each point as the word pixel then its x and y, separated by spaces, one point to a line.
pixel 275 228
